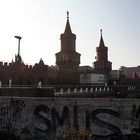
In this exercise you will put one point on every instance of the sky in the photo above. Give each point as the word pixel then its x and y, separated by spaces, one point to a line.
pixel 40 23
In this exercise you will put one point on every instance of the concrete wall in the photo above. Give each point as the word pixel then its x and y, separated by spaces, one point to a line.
pixel 62 118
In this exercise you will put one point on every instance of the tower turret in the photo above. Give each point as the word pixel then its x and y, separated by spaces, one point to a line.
pixel 68 59
pixel 102 65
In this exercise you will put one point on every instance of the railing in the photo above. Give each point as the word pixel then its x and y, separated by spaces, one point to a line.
pixel 85 90
pixel 95 91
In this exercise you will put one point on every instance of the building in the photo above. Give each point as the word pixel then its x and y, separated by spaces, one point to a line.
pixel 115 75
pixel 92 79
pixel 85 69
pixel 65 71
pixel 130 72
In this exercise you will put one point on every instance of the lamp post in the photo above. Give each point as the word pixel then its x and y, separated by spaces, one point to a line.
pixel 19 38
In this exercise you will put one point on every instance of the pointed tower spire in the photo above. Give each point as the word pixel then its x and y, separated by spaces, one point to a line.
pixel 67 28
pixel 101 40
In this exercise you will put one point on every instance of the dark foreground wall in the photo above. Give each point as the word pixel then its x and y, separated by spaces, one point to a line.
pixel 52 118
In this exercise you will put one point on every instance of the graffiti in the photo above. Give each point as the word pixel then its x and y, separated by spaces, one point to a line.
pixel 67 122
pixel 135 116
pixel 88 120
pixel 5 124
pixel 56 119
pixel 75 117
pixel 15 109
pixel 105 124
pixel 65 119
pixel 10 113
pixel 3 111
pixel 135 113
pixel 42 118
pixel 53 119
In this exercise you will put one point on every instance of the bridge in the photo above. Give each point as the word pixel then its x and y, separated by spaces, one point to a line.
pixel 88 91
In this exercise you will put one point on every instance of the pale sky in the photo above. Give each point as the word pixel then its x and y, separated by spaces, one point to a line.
pixel 40 23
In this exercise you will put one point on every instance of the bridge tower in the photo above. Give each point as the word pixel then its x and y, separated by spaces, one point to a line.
pixel 68 59
pixel 102 65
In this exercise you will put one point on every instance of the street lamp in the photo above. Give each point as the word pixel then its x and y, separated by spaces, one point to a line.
pixel 19 38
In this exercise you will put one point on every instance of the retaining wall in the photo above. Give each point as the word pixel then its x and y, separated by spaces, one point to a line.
pixel 69 118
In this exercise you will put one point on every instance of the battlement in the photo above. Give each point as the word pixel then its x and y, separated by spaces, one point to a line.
pixel 26 66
